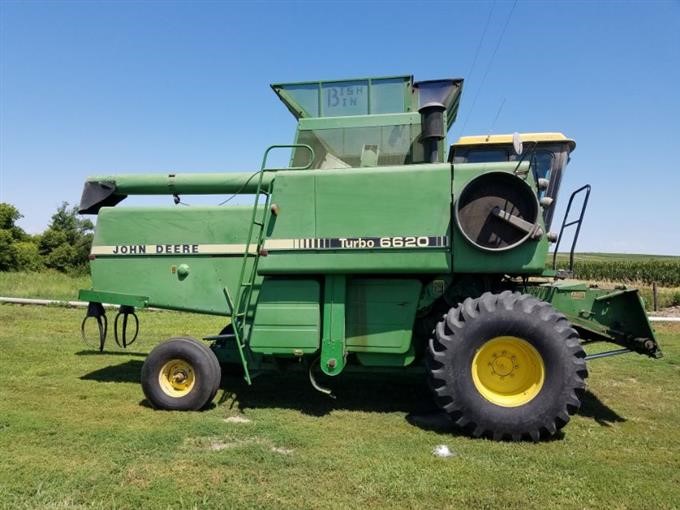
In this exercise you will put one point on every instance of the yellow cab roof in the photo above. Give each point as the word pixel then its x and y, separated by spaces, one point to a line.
pixel 464 141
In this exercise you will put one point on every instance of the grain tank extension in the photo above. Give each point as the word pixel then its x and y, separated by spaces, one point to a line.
pixel 378 247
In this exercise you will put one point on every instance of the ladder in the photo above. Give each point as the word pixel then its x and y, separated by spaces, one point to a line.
pixel 583 189
pixel 254 248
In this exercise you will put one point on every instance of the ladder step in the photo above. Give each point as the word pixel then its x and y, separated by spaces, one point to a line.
pixel 258 223
pixel 246 284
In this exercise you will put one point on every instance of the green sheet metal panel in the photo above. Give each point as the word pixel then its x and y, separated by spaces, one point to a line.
pixel 287 320
pixel 201 291
pixel 398 201
pixel 179 257
pixel 113 298
pixel 380 314
pixel 293 193
pixel 379 359
pixel 525 259
pixel 404 211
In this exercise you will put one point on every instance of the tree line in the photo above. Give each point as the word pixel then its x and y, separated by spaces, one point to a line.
pixel 63 246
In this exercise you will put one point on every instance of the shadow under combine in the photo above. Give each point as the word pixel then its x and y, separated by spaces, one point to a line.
pixel 128 372
pixel 379 393
pixel 592 407
pixel 375 393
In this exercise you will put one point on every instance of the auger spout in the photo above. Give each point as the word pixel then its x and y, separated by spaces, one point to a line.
pixel 108 191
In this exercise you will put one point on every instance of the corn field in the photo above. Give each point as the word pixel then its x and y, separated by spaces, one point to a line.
pixel 640 271
pixel 665 274
pixel 634 269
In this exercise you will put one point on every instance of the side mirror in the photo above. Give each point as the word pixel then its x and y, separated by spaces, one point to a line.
pixel 517 143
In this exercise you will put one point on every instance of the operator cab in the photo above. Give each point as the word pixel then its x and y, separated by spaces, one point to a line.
pixel 548 154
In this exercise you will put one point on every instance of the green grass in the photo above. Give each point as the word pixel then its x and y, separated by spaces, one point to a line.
pixel 75 432
pixel 46 285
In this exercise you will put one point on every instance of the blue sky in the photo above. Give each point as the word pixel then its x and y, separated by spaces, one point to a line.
pixel 91 88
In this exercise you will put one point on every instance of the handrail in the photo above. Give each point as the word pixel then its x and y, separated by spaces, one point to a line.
pixel 288 146
pixel 575 222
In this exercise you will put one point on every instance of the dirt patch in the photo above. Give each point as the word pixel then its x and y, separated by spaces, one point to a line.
pixel 217 446
pixel 137 477
pixel 282 450
pixel 237 419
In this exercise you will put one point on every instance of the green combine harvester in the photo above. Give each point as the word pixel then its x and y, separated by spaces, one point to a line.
pixel 378 247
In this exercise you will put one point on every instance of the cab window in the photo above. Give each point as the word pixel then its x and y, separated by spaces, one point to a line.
pixel 482 155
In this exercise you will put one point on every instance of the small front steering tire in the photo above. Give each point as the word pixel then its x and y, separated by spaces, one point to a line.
pixel 181 374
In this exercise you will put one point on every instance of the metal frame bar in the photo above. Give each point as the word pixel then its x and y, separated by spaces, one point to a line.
pixel 607 354
pixel 578 222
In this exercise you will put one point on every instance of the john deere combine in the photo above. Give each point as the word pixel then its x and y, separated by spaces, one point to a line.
pixel 372 249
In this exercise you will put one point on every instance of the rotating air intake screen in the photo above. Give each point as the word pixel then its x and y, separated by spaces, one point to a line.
pixel 497 211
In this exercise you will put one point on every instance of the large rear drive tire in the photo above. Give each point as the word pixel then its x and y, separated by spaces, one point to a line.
pixel 181 374
pixel 507 366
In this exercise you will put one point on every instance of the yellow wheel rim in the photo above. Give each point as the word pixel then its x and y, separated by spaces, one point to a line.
pixel 508 371
pixel 177 378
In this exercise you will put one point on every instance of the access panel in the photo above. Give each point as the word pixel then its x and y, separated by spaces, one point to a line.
pixel 287 320
pixel 380 314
